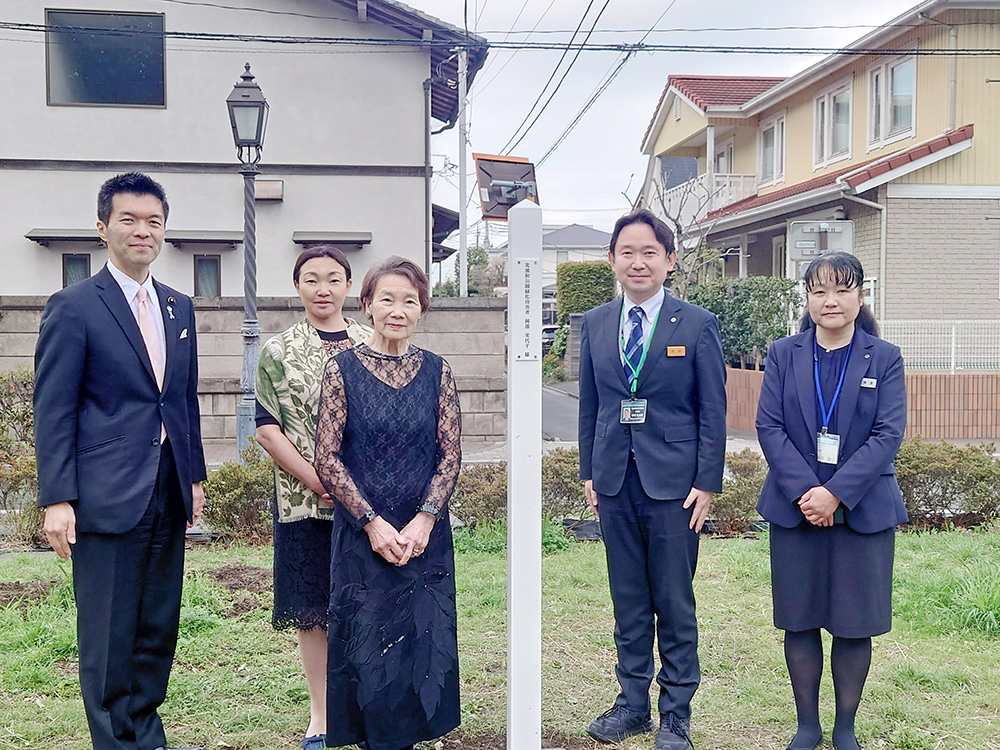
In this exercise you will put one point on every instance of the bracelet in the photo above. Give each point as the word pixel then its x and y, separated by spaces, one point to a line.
pixel 368 517
pixel 429 507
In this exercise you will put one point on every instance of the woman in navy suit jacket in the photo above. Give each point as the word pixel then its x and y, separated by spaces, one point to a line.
pixel 830 420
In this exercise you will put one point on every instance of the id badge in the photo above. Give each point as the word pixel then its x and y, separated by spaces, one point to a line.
pixel 827 447
pixel 633 411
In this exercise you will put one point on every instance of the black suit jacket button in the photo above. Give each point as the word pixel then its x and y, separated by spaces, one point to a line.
pixel 155 441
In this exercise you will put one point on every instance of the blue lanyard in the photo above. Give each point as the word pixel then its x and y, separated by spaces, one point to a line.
pixel 840 384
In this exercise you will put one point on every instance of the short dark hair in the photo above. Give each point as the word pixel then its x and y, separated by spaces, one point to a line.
pixel 399 267
pixel 321 251
pixel 840 268
pixel 135 183
pixel 644 216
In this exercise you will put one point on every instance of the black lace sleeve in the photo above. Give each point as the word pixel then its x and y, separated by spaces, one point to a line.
pixel 449 435
pixel 329 436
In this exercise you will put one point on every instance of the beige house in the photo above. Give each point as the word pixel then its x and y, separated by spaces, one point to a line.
pixel 897 133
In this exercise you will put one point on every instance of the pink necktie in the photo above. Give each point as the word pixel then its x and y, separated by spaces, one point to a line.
pixel 147 327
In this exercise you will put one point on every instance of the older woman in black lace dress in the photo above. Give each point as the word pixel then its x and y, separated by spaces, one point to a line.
pixel 388 452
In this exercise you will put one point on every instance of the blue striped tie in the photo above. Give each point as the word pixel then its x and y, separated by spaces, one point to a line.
pixel 633 347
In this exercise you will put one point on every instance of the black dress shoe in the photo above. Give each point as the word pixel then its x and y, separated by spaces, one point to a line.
pixel 674 733
pixel 617 723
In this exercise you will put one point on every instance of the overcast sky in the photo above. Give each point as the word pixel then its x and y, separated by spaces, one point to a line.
pixel 583 181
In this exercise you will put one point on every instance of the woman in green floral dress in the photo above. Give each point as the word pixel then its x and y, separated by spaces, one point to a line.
pixel 289 377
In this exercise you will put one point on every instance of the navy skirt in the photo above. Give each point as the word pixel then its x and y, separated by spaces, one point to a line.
pixel 832 577
pixel 301 573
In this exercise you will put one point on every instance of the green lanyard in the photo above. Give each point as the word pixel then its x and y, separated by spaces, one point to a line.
pixel 645 349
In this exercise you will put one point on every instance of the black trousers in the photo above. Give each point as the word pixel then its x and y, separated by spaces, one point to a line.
pixel 128 596
pixel 652 555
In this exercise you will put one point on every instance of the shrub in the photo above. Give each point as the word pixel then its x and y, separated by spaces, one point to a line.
pixel 752 313
pixel 558 347
pixel 562 488
pixel 734 509
pixel 945 484
pixel 238 497
pixel 18 472
pixel 552 369
pixel 583 285
pixel 481 492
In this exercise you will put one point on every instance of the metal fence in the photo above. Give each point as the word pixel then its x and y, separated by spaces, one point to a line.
pixel 953 345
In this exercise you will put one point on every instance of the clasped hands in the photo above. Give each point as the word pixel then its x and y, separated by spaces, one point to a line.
pixel 818 505
pixel 397 547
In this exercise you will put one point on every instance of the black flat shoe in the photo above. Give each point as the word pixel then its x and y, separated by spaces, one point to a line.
pixel 793 746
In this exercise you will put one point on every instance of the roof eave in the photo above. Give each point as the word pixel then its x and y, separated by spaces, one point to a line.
pixel 770 210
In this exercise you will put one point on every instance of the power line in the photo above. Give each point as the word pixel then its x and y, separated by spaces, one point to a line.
pixel 620 47
pixel 553 75
pixel 483 87
pixel 596 94
pixel 560 83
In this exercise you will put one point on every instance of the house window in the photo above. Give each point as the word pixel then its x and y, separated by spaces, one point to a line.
pixel 891 91
pixel 724 157
pixel 105 59
pixel 75 267
pixel 771 148
pixel 207 276
pixel 832 132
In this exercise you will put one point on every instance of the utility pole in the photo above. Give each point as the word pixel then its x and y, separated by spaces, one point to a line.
pixel 463 224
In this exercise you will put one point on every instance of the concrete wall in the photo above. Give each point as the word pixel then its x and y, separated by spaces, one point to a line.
pixel 469 333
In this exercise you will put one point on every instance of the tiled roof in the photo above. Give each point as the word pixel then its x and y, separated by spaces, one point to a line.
pixel 709 91
pixel 905 157
pixel 859 173
pixel 706 91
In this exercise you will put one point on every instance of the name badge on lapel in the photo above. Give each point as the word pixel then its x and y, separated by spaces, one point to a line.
pixel 868 382
pixel 676 351
pixel 633 411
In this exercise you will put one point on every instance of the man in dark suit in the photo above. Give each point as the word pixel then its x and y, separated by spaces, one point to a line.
pixel 652 449
pixel 120 462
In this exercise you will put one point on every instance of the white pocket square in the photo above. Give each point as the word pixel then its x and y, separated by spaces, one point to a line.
pixel 184 334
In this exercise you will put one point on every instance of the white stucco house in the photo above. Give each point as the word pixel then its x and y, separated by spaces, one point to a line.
pixel 96 87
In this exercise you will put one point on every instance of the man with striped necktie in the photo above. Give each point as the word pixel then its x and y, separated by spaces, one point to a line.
pixel 652 450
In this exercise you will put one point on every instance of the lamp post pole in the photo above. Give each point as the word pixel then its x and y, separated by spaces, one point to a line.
pixel 248 117
pixel 246 409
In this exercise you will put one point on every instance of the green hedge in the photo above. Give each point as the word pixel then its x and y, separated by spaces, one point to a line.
pixel 583 285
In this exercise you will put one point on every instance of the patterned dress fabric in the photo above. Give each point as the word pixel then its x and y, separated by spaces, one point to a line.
pixel 289 376
pixel 389 441
pixel 288 384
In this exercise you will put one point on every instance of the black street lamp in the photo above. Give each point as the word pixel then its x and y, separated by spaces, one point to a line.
pixel 248 117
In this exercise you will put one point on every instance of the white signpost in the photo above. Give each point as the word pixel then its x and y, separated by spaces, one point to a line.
pixel 524 477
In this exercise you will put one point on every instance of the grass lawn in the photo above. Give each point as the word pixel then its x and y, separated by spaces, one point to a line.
pixel 935 681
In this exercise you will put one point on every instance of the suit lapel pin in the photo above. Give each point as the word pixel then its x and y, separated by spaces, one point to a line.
pixel 170 309
pixel 673 320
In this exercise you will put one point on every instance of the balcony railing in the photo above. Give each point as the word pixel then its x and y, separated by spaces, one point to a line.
pixel 689 202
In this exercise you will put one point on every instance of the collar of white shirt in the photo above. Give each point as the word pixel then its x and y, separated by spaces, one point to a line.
pixel 650 309
pixel 130 288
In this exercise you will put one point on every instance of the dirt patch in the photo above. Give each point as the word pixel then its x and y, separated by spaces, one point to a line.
pixel 24 594
pixel 244 604
pixel 238 577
